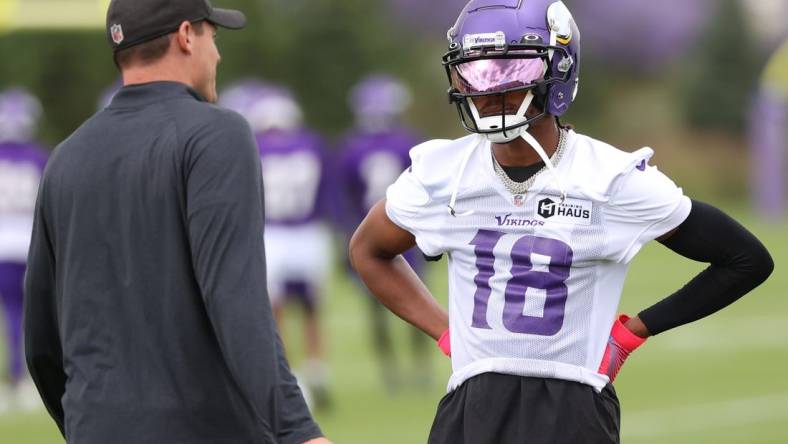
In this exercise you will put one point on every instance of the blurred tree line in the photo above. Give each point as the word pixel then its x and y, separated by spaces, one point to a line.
pixel 320 48
pixel 723 78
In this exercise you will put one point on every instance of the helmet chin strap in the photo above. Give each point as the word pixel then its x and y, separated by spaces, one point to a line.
pixel 494 122
pixel 456 189
pixel 531 140
pixel 505 136
pixel 484 123
pixel 487 123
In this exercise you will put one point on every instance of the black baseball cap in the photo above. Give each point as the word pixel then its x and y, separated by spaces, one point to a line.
pixel 131 22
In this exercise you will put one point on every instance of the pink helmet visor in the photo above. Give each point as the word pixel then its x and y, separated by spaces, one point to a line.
pixel 492 75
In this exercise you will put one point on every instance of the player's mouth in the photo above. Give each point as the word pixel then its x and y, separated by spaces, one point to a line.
pixel 490 111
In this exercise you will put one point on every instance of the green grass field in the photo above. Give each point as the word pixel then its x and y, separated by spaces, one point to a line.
pixel 722 380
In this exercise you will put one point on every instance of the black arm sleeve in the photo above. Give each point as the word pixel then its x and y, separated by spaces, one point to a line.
pixel 43 351
pixel 225 224
pixel 739 263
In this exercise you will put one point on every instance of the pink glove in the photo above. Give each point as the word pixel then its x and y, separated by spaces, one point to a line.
pixel 444 343
pixel 621 343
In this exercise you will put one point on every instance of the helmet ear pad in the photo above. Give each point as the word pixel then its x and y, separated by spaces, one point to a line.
pixel 559 97
pixel 540 96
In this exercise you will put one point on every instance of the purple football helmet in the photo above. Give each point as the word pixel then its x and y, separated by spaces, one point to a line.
pixel 19 115
pixel 499 47
pixel 378 101
pixel 265 106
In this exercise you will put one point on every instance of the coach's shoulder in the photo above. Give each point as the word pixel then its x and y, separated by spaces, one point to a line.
pixel 204 125
pixel 203 114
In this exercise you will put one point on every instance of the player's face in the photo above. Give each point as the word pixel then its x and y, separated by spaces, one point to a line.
pixel 206 58
pixel 492 105
pixel 497 75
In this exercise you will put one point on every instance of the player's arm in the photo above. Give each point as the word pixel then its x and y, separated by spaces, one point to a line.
pixel 647 205
pixel 375 253
pixel 738 262
pixel 225 228
pixel 42 338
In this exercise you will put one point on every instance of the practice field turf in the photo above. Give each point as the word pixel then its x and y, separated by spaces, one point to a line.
pixel 722 380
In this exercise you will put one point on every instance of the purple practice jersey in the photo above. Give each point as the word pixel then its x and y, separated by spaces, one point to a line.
pixel 21 167
pixel 295 175
pixel 370 163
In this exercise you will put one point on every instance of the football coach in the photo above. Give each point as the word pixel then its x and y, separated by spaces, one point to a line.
pixel 146 313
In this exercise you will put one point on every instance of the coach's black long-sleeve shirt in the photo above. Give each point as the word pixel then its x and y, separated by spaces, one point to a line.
pixel 146 313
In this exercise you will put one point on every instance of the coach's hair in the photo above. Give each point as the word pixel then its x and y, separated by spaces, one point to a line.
pixel 149 52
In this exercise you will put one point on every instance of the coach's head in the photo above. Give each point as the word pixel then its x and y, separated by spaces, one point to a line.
pixel 169 40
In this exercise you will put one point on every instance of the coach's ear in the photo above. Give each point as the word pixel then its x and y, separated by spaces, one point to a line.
pixel 184 38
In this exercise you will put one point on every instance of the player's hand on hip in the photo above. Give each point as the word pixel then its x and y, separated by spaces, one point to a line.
pixel 320 440
pixel 444 343
pixel 620 344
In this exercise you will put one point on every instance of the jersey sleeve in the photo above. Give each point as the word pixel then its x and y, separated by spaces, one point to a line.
pixel 43 349
pixel 409 205
pixel 645 205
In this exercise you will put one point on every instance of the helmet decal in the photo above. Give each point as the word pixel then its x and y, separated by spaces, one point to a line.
pixel 475 41
pixel 560 21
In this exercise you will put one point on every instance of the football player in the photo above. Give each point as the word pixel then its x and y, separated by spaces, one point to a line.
pixel 539 224
pixel 22 162
pixel 374 153
pixel 297 206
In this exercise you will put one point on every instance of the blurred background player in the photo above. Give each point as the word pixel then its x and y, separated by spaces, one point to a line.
pixel 21 165
pixel 769 138
pixel 374 154
pixel 297 206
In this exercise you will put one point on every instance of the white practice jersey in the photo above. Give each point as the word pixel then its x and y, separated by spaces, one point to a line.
pixel 534 283
pixel 21 166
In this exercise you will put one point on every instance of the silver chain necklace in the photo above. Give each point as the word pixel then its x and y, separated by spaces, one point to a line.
pixel 522 187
